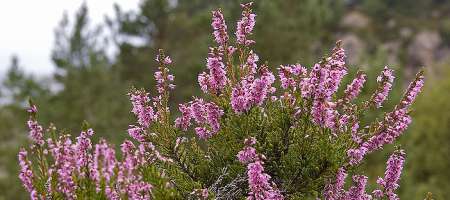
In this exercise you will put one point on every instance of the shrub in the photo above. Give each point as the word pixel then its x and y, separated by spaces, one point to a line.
pixel 249 135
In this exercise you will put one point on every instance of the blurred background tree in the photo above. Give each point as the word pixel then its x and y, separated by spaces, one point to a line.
pixel 90 83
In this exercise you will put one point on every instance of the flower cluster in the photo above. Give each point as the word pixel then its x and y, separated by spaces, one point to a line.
pixel 310 115
pixel 290 74
pixel 220 28
pixel 335 191
pixel 252 91
pixel 71 163
pixel 354 88
pixel 216 79
pixel 321 84
pixel 26 174
pixel 391 177
pixel 393 125
pixel 258 181
pixel 163 78
pixel 206 116
pixel 245 25
pixel 384 80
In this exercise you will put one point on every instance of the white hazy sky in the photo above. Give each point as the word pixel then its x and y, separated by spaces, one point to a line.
pixel 27 28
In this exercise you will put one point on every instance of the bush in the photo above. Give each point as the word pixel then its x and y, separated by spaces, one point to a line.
pixel 249 136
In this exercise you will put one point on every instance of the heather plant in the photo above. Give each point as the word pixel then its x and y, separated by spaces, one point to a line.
pixel 254 134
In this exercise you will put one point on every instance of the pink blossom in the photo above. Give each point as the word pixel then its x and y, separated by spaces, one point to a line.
pixel 83 147
pixel 290 74
pixel 335 189
pixel 220 28
pixel 250 66
pixel 136 132
pixel 392 175
pixel 394 124
pixel 260 188
pixel 252 91
pixel 354 88
pixel 413 90
pixel 245 25
pixel 142 108
pixel 25 174
pixel 358 191
pixel 164 80
pixel 104 162
pixel 139 191
pixel 216 79
pixel 385 80
pixel 184 121
pixel 258 181
pixel 36 132
pixel 248 154
pixel 206 116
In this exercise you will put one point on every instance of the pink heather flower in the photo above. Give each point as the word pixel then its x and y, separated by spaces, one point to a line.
pixel 245 25
pixel 385 80
pixel 104 163
pixel 251 91
pixel 198 110
pixel 206 116
pixel 413 90
pixel 203 132
pixel 325 115
pixel 358 191
pixel 139 191
pixel 36 132
pixel 335 71
pixel 64 154
pixel 289 75
pixel 355 135
pixel 166 60
pixel 203 81
pixel 34 195
pixel 184 121
pixel 248 153
pixel 129 159
pixel 142 108
pixel 262 86
pixel 392 174
pixel 220 28
pixel 32 109
pixel 136 132
pixel 25 174
pixel 258 181
pixel 308 85
pixel 394 124
pixel 356 155
pixel 164 80
pixel 354 88
pixel 325 77
pixel 216 80
pixel 83 147
pixel 250 66
pixel 240 100
pixel 213 114
pixel 335 190
pixel 111 194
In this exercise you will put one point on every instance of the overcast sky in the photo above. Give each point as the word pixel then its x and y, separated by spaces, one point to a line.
pixel 27 28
